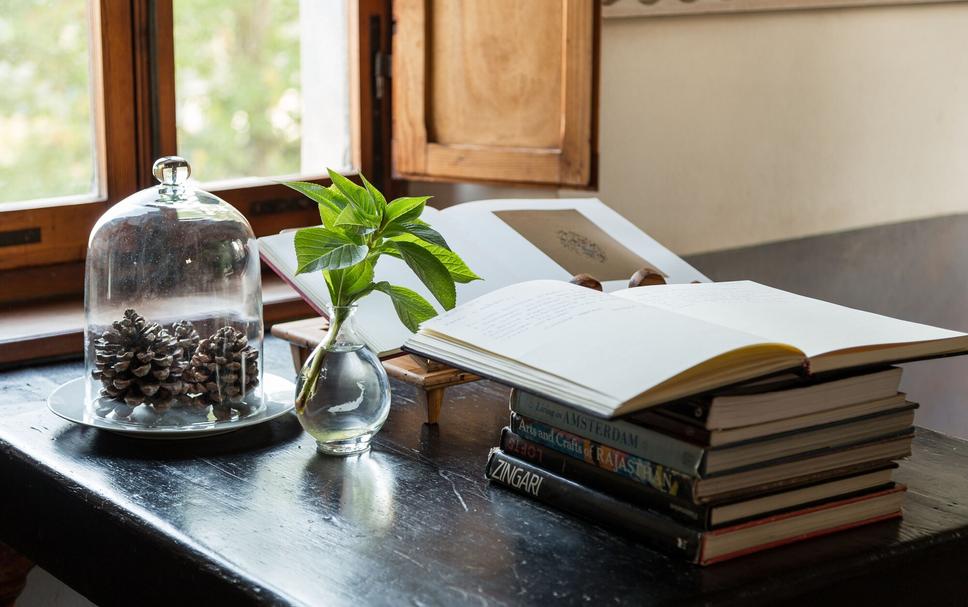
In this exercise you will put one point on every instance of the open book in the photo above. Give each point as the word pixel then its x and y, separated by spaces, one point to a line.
pixel 505 242
pixel 611 354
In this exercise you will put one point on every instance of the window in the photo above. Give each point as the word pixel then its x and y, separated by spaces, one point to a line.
pixel 47 103
pixel 250 92
pixel 261 88
pixel 92 91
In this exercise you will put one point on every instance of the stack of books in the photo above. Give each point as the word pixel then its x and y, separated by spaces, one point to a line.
pixel 711 420
pixel 723 475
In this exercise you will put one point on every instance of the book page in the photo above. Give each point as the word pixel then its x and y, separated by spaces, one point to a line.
pixel 607 344
pixel 377 321
pixel 576 243
pixel 489 246
pixel 816 327
pixel 528 233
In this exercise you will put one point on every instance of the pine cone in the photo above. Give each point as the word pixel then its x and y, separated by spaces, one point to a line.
pixel 192 403
pixel 224 368
pixel 187 337
pixel 139 362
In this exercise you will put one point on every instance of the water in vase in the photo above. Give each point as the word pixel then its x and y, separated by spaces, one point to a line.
pixel 351 401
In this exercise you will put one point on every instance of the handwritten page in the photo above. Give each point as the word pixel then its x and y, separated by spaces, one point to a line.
pixel 609 345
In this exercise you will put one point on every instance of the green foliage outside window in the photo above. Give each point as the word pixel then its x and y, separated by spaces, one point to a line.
pixel 237 86
pixel 45 100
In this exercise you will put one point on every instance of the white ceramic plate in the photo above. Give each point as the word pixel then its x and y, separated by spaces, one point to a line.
pixel 67 402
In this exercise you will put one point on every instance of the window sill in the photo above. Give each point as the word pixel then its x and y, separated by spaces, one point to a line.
pixel 49 331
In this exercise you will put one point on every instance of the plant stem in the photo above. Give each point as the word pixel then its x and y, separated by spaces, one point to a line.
pixel 308 389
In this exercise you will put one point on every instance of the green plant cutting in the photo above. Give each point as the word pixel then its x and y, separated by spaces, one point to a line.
pixel 358 227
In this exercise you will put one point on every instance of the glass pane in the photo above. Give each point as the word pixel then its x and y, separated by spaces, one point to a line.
pixel 46 116
pixel 261 87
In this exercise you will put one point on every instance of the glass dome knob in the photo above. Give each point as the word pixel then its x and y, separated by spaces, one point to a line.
pixel 171 170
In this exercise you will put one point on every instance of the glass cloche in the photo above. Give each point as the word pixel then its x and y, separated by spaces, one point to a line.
pixel 173 304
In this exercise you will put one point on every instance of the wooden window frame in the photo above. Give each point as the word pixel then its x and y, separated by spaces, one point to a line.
pixel 135 93
pixel 135 103
pixel 63 230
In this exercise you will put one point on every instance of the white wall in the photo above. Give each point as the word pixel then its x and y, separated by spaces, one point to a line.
pixel 44 590
pixel 726 130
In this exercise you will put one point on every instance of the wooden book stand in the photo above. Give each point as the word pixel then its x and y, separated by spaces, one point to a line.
pixel 431 378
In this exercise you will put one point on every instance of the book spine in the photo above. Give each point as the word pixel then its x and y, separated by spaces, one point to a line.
pixel 599 479
pixel 663 479
pixel 672 424
pixel 896 488
pixel 560 493
pixel 648 444
pixel 691 410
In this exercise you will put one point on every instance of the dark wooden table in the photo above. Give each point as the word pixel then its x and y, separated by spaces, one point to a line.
pixel 257 517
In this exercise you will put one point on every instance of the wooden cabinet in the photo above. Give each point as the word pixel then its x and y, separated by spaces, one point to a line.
pixel 495 90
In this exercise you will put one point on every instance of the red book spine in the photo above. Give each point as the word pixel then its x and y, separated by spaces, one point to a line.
pixel 899 488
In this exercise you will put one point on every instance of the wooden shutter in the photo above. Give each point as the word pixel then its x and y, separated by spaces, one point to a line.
pixel 495 90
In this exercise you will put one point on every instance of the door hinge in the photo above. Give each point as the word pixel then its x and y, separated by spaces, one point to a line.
pixel 381 73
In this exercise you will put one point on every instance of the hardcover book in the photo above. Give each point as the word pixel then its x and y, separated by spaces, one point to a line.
pixel 770 475
pixel 675 425
pixel 566 426
pixel 769 401
pixel 610 354
pixel 674 537
pixel 814 491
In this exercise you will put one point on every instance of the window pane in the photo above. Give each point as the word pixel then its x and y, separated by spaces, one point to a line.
pixel 261 87
pixel 46 117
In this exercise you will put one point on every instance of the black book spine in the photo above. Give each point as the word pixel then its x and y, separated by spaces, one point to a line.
pixel 637 469
pixel 690 410
pixel 672 424
pixel 659 531
pixel 602 480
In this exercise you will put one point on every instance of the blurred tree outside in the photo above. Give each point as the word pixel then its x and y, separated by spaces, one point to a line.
pixel 46 127
pixel 237 87
pixel 250 79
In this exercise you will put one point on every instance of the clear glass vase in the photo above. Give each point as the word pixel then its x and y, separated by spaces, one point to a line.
pixel 342 392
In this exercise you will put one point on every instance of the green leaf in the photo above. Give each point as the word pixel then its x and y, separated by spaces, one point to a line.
pixel 412 309
pixel 405 209
pixel 419 229
pixel 387 248
pixel 426 233
pixel 352 191
pixel 375 193
pixel 455 265
pixel 350 216
pixel 327 216
pixel 324 249
pixel 330 200
pixel 430 272
pixel 319 193
pixel 360 198
pixel 346 283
